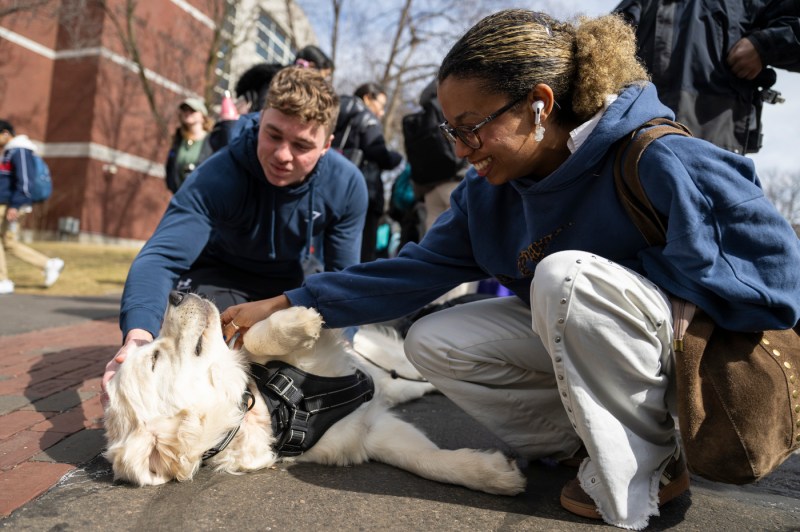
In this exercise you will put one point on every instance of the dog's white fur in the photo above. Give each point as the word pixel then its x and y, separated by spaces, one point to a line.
pixel 178 396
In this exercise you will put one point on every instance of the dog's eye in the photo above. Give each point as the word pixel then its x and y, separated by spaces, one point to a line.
pixel 199 348
pixel 156 353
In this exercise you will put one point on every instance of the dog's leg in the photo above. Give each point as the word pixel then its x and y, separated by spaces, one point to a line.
pixel 395 442
pixel 284 332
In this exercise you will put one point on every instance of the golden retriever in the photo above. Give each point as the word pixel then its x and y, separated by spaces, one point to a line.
pixel 181 395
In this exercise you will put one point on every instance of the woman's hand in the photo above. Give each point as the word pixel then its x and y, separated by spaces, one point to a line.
pixel 238 318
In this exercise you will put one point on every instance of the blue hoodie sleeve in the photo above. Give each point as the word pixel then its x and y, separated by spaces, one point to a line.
pixel 390 288
pixel 178 240
pixel 728 249
pixel 342 241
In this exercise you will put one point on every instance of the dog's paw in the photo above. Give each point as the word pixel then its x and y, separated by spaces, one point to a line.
pixel 285 332
pixel 502 475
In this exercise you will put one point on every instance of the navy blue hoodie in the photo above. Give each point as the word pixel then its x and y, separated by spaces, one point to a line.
pixel 228 213
pixel 728 250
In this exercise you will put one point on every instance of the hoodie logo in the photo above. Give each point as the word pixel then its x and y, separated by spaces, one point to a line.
pixel 315 215
pixel 530 256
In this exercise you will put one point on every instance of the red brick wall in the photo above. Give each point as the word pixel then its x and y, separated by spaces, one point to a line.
pixel 81 106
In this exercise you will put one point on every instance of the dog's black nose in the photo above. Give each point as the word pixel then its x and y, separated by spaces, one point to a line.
pixel 176 298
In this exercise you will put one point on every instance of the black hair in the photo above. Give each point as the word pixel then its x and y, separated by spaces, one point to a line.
pixel 5 125
pixel 314 55
pixel 372 89
pixel 254 82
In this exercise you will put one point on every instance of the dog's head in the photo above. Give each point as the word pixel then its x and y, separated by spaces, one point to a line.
pixel 174 398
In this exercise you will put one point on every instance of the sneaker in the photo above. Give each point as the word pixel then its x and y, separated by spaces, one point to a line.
pixel 674 482
pixel 7 287
pixel 52 270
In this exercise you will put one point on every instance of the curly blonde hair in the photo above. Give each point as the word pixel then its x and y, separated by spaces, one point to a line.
pixel 304 93
pixel 513 50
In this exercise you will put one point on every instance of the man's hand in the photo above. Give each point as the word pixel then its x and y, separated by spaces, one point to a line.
pixel 134 339
pixel 744 60
pixel 238 318
pixel 12 214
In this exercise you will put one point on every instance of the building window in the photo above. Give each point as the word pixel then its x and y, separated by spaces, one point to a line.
pixel 272 44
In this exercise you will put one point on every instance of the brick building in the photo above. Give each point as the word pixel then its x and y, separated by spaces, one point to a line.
pixel 69 80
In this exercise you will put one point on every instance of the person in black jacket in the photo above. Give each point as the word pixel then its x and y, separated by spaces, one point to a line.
pixel 710 59
pixel 359 135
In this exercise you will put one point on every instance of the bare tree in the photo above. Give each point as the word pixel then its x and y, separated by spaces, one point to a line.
pixel 16 7
pixel 783 189
pixel 397 43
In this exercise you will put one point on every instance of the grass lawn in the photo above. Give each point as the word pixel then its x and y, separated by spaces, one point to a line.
pixel 91 269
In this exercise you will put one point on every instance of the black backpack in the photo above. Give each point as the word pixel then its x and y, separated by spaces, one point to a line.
pixel 431 156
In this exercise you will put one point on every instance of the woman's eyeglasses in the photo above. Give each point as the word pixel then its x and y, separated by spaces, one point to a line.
pixel 469 134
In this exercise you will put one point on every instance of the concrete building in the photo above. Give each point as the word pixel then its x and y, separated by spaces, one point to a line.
pixel 69 80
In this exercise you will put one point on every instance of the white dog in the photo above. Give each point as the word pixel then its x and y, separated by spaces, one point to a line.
pixel 186 393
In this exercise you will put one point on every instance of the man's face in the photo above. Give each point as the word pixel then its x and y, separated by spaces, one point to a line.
pixel 288 149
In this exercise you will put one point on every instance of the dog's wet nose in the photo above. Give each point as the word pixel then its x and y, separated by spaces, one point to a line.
pixel 176 298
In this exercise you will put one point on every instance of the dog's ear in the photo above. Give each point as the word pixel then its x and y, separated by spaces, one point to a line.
pixel 162 450
pixel 177 450
pixel 130 459
pixel 284 332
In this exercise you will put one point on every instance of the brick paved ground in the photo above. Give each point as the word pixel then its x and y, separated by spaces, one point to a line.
pixel 50 412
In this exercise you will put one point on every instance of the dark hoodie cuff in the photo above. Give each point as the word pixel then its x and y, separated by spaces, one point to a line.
pixel 301 297
pixel 139 318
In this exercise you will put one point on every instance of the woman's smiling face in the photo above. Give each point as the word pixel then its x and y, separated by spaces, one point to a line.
pixel 508 149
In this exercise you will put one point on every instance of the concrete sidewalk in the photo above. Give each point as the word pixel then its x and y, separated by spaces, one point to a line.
pixel 52 354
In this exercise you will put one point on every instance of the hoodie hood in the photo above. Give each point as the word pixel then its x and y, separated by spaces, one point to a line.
pixel 21 141
pixel 635 105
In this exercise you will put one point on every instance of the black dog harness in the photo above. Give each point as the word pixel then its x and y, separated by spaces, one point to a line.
pixel 303 406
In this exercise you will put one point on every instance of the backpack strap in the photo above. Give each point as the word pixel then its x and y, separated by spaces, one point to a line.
pixel 626 177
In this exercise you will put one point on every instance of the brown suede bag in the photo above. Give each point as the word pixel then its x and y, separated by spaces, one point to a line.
pixel 738 398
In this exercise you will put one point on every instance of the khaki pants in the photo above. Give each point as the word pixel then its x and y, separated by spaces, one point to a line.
pixel 14 247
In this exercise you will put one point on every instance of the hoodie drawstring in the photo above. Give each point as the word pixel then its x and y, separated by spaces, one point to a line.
pixel 310 222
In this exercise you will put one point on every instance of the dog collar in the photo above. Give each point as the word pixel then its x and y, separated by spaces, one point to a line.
pixel 247 403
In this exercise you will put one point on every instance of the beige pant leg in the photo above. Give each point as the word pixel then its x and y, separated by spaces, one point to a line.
pixel 14 247
pixel 437 201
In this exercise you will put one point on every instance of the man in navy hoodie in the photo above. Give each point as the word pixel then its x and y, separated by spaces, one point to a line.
pixel 254 218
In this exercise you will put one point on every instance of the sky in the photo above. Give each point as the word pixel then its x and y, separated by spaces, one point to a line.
pixel 781 122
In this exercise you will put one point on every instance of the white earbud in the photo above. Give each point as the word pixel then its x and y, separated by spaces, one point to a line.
pixel 538 131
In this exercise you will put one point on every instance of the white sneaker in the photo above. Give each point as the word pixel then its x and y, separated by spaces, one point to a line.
pixel 7 287
pixel 52 270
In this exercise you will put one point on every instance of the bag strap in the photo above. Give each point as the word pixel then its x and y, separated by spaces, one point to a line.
pixel 635 201
pixel 626 177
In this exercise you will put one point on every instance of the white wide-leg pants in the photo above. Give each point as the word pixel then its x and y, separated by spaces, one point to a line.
pixel 589 362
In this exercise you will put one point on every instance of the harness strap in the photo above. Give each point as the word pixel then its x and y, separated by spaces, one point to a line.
pixel 304 406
